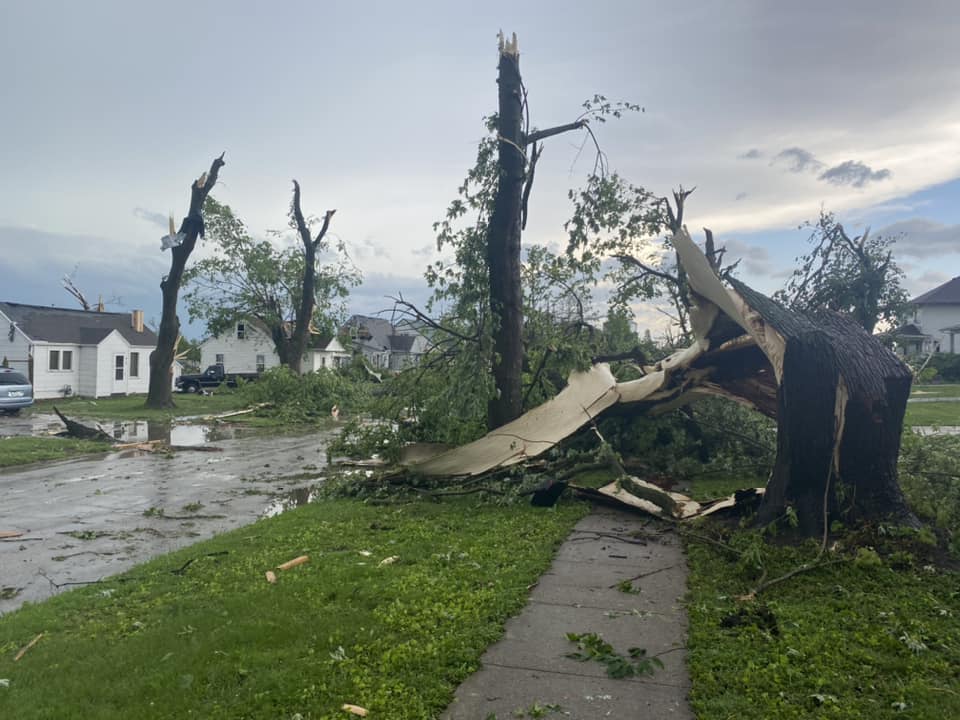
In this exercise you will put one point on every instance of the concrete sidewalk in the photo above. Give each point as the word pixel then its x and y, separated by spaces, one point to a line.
pixel 578 594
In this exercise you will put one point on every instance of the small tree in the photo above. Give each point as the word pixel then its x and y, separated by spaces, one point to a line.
pixel 291 290
pixel 855 276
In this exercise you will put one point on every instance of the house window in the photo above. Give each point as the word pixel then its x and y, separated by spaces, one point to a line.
pixel 241 331
pixel 323 362
pixel 118 367
pixel 66 360
pixel 261 363
pixel 134 364
pixel 219 359
pixel 54 359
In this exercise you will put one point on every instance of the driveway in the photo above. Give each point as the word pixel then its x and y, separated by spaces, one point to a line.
pixel 84 519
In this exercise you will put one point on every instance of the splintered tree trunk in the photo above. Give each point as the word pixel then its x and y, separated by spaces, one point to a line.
pixel 840 408
pixel 503 245
pixel 160 393
pixel 301 330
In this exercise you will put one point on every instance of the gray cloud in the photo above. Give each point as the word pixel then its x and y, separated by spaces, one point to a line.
pixel 424 251
pixel 158 219
pixel 741 196
pixel 375 293
pixel 853 172
pixel 751 154
pixel 920 238
pixel 797 160
pixel 753 258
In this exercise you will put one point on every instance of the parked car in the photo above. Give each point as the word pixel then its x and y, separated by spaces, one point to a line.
pixel 213 377
pixel 16 392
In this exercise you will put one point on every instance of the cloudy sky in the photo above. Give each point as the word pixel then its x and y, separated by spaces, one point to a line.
pixel 770 109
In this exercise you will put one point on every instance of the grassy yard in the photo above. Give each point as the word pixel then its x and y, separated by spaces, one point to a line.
pixel 130 407
pixel 935 391
pixel 23 450
pixel 214 639
pixel 933 413
pixel 863 640
pixel 876 637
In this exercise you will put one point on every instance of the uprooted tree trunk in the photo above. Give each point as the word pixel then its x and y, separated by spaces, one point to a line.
pixel 838 395
pixel 160 392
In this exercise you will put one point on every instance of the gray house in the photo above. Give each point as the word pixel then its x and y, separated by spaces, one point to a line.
pixel 386 346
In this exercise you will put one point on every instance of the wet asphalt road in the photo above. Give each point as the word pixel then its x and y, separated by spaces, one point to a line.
pixel 85 519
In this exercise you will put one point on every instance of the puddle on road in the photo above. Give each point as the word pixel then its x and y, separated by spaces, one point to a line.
pixel 177 434
pixel 42 424
pixel 292 499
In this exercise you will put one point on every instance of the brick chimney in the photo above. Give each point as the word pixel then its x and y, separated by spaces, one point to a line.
pixel 136 320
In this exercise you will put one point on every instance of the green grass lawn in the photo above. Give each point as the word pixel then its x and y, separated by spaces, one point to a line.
pixel 874 638
pixel 23 450
pixel 845 641
pixel 933 413
pixel 130 407
pixel 218 641
pixel 935 391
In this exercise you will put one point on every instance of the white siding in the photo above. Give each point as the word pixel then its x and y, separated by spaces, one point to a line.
pixel 239 356
pixel 140 384
pixel 332 356
pixel 49 383
pixel 112 345
pixel 932 318
pixel 87 384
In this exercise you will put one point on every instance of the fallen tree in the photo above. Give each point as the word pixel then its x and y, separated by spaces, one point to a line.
pixel 837 394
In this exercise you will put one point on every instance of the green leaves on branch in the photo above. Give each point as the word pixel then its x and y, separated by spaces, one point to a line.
pixel 591 646
pixel 243 278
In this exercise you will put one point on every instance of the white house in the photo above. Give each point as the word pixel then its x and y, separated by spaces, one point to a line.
pixel 65 351
pixel 935 321
pixel 248 348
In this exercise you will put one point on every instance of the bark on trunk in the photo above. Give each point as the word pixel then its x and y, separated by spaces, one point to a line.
pixel 503 245
pixel 840 409
pixel 301 330
pixel 160 393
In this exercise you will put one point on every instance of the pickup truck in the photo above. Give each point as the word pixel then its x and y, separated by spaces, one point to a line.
pixel 213 377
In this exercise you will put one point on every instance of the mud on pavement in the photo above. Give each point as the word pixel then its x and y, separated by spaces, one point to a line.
pixel 85 519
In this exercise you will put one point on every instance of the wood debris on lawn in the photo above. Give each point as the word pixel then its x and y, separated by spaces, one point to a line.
pixel 271 577
pixel 23 650
pixel 355 709
pixel 389 560
pixel 293 563
pixel 247 411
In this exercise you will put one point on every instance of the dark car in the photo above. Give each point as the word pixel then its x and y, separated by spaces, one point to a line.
pixel 15 391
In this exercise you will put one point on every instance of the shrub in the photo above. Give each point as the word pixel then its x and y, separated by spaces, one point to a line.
pixel 304 398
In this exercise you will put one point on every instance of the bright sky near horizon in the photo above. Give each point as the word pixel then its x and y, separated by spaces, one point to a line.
pixel 770 109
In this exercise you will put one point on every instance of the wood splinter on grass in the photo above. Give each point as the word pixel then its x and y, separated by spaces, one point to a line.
pixel 293 563
pixel 355 709
pixel 271 577
pixel 23 650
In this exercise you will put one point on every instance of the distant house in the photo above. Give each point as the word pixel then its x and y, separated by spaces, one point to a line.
pixel 386 346
pixel 249 348
pixel 934 322
pixel 77 352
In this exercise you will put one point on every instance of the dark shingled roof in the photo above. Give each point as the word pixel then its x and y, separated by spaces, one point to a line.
pixel 909 330
pixel 402 343
pixel 946 294
pixel 75 327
